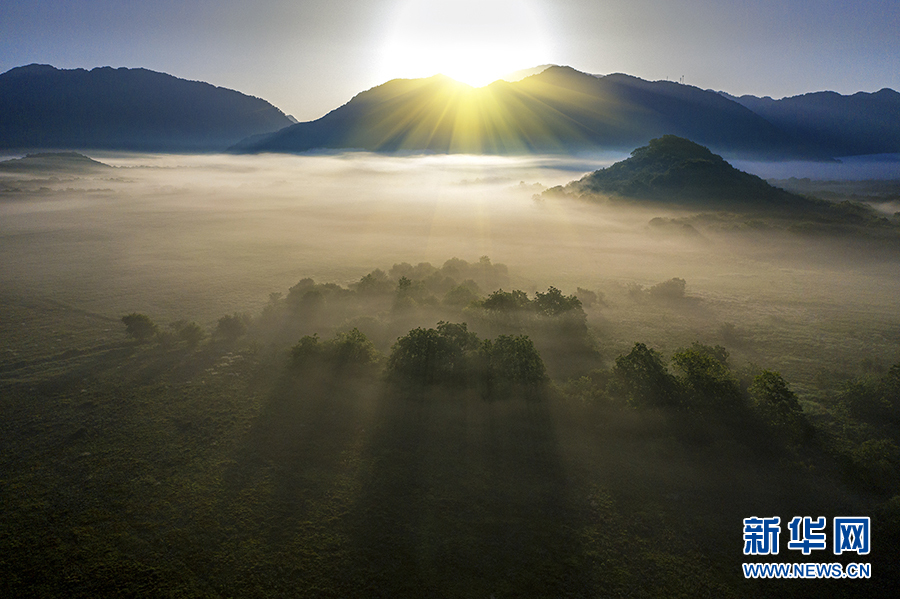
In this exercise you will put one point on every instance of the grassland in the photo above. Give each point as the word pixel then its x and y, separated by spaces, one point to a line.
pixel 220 470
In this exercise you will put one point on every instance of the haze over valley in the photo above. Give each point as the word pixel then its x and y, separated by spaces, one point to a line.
pixel 188 239
pixel 572 331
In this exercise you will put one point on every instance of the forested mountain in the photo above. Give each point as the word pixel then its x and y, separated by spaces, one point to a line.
pixel 125 109
pixel 557 110
pixel 862 123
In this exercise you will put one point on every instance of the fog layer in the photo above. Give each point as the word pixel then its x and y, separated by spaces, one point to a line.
pixel 195 237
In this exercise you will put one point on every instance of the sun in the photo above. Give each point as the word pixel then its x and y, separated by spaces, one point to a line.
pixel 475 42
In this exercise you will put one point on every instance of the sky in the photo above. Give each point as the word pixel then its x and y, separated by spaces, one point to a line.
pixel 309 57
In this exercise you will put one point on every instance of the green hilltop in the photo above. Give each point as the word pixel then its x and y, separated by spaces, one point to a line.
pixel 672 169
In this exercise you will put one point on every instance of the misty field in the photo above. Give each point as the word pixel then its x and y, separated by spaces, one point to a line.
pixel 228 466
pixel 187 237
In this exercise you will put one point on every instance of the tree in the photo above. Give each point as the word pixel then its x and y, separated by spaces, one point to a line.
pixel 707 380
pixel 771 390
pixel 673 289
pixel 306 350
pixel 351 348
pixel 507 301
pixel 230 327
pixel 429 356
pixel 641 378
pixel 374 283
pixel 589 298
pixel 777 403
pixel 554 303
pixel 512 361
pixel 139 326
pixel 347 349
pixel 460 296
pixel 189 332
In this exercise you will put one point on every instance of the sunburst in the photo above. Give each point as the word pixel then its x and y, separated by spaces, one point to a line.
pixel 473 41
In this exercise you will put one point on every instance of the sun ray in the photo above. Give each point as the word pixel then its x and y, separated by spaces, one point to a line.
pixel 472 41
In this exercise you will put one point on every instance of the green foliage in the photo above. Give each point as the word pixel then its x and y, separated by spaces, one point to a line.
pixel 139 327
pixel 306 350
pixel 351 348
pixel 232 326
pixel 876 464
pixel 554 303
pixel 511 362
pixel 890 391
pixel 667 291
pixel 707 382
pixel 641 379
pixel 452 355
pixel 863 400
pixel 393 495
pixel 590 389
pixel 772 394
pixel 347 349
pixel 296 293
pixel 507 301
pixel 410 294
pixel 589 298
pixel 430 356
pixel 672 169
pixel 778 405
pixel 375 283
pixel 461 295
pixel 190 333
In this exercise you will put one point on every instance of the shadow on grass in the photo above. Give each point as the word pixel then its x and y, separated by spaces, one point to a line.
pixel 464 498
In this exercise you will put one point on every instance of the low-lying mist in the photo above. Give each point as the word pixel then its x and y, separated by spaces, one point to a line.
pixel 195 237
pixel 245 376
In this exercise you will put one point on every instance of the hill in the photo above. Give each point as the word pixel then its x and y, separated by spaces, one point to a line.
pixel 125 109
pixel 557 110
pixel 674 170
pixel 52 161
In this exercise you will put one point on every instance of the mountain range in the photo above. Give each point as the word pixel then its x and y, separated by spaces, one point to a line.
pixel 563 110
pixel 555 110
pixel 854 125
pixel 125 109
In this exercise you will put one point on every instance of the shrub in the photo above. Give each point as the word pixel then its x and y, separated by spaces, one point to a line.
pixel 139 326
pixel 189 332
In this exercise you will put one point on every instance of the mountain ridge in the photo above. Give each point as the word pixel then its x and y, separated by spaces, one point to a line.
pixel 555 110
pixel 843 125
pixel 558 110
pixel 125 109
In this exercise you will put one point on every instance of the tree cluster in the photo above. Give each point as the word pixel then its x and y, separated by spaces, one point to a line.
pixel 451 355
pixel 705 387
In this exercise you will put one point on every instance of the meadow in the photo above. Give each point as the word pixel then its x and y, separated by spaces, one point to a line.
pixel 222 467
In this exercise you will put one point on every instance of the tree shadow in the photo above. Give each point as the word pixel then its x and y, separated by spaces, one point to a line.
pixel 464 498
